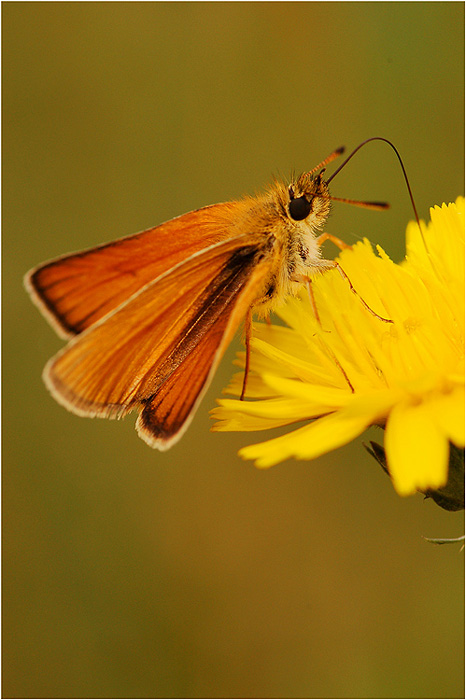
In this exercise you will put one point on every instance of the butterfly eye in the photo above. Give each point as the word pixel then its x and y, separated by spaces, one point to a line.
pixel 299 208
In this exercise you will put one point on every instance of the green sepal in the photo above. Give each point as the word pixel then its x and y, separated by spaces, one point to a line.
pixel 450 496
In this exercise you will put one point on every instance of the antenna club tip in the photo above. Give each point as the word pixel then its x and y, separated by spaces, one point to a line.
pixel 340 150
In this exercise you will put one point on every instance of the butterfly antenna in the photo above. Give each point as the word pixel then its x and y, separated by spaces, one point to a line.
pixel 380 138
pixel 328 160
pixel 377 206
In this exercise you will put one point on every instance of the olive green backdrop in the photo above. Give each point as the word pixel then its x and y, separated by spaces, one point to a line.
pixel 131 573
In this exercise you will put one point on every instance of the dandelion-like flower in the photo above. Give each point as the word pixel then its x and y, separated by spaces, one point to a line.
pixel 346 369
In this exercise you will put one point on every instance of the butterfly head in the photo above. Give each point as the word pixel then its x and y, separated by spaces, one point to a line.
pixel 308 199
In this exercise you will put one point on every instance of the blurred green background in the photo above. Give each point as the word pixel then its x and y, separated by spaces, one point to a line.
pixel 131 573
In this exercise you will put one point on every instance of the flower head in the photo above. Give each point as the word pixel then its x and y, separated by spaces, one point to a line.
pixel 347 369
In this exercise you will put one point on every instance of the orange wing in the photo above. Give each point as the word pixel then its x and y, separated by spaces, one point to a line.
pixel 158 350
pixel 75 291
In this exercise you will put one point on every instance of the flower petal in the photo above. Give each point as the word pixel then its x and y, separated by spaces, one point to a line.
pixel 234 415
pixel 328 398
pixel 448 412
pixel 309 442
pixel 416 449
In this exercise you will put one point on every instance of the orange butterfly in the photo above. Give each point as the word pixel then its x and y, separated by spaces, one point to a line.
pixel 149 316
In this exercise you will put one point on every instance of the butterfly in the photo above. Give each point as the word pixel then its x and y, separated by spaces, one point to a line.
pixel 149 316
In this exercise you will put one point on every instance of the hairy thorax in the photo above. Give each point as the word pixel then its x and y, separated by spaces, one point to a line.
pixel 291 245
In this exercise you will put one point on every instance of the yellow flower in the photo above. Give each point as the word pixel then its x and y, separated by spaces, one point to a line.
pixel 348 370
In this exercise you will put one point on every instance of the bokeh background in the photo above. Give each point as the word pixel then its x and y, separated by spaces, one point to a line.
pixel 131 573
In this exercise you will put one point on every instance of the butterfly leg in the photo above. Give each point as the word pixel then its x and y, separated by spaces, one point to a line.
pixel 317 317
pixel 248 333
pixel 366 306
pixel 312 300
pixel 334 263
pixel 330 237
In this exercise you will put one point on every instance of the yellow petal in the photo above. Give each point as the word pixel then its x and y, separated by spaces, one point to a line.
pixel 328 398
pixel 303 369
pixel 416 449
pixel 239 422
pixel 448 412
pixel 255 387
pixel 308 442
pixel 259 415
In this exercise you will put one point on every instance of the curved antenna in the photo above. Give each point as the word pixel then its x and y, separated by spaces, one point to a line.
pixel 380 138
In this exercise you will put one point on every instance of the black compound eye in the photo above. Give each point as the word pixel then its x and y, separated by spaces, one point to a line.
pixel 299 208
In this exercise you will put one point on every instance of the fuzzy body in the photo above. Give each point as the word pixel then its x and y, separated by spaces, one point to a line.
pixel 290 246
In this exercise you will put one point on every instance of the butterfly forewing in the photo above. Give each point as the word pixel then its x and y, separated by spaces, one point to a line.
pixel 77 290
